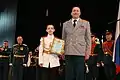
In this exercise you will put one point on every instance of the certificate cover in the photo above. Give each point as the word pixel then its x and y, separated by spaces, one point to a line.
pixel 57 46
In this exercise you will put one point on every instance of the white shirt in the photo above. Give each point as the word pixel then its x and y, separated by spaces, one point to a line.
pixel 76 21
pixel 45 58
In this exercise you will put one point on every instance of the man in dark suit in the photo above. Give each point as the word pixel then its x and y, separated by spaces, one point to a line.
pixel 19 58
pixel 77 35
pixel 5 52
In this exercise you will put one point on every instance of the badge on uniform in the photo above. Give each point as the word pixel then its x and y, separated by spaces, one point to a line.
pixel 5 49
pixel 21 48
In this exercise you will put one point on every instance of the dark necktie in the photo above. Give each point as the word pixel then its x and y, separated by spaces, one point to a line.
pixel 74 23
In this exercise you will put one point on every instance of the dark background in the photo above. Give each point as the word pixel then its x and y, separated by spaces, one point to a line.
pixel 28 19
pixel 32 19
pixel 8 9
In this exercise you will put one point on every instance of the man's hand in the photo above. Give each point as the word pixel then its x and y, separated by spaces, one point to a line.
pixel 87 57
pixel 102 64
pixel 41 65
pixel 62 57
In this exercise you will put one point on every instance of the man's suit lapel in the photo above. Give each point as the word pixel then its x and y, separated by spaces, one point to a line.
pixel 79 23
pixel 70 25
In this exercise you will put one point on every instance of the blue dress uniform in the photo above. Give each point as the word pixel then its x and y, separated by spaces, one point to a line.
pixel 4 63
pixel 94 61
pixel 19 57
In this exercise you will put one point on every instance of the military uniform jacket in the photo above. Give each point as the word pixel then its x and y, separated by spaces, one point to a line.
pixel 108 51
pixel 20 50
pixel 6 52
pixel 78 38
pixel 47 58
pixel 108 47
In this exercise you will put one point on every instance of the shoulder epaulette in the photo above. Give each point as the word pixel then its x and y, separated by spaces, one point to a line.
pixel 97 42
pixel 67 22
pixel 15 44
pixel 43 37
pixel 84 20
pixel 24 44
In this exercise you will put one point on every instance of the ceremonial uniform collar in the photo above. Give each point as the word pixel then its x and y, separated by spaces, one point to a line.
pixel 50 36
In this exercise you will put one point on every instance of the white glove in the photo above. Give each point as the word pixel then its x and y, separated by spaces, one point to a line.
pixel 98 65
pixel 102 64
pixel 10 64
pixel 25 65
pixel 87 70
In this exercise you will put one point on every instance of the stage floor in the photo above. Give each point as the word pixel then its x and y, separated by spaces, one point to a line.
pixel 34 73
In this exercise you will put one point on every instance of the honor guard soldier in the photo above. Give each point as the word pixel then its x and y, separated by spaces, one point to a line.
pixel 107 63
pixel 95 59
pixel 5 52
pixel 19 58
